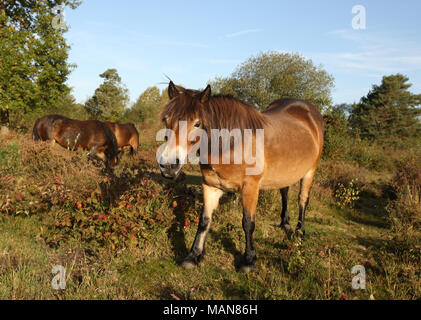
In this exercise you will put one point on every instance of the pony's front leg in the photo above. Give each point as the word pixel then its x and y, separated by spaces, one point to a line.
pixel 250 195
pixel 211 198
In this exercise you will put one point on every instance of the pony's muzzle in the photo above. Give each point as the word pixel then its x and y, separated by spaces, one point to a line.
pixel 170 171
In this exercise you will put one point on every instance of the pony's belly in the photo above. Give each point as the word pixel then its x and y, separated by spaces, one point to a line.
pixel 274 184
pixel 279 177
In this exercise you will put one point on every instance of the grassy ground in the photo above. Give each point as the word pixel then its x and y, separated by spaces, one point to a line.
pixel 149 225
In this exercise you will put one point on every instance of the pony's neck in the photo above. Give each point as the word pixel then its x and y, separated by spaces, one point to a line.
pixel 226 112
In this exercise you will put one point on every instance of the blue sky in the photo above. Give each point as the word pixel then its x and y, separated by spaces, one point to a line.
pixel 194 41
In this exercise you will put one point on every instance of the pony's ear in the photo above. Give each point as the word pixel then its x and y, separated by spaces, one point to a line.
pixel 172 90
pixel 206 94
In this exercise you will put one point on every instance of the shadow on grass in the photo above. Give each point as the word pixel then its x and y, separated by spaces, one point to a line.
pixel 398 247
pixel 228 244
pixel 177 237
pixel 371 210
pixel 186 198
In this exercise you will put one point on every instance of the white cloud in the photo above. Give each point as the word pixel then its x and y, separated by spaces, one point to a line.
pixel 224 61
pixel 242 32
pixel 374 52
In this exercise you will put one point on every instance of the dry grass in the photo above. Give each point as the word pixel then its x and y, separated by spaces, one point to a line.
pixel 404 207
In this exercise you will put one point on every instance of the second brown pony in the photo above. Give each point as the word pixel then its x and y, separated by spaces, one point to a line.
pixel 90 135
pixel 126 135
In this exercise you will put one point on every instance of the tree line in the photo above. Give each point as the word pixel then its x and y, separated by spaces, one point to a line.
pixel 34 69
pixel 33 57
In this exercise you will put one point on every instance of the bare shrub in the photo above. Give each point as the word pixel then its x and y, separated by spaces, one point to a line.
pixel 332 173
pixel 44 164
pixel 407 182
pixel 405 207
pixel 32 175
pixel 341 181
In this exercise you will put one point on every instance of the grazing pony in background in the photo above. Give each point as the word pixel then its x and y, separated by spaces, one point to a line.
pixel 126 135
pixel 90 135
pixel 293 143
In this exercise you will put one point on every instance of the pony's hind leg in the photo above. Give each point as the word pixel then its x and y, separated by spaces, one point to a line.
pixel 211 198
pixel 134 147
pixel 304 198
pixel 285 214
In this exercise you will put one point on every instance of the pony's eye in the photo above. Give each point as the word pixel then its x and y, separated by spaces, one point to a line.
pixel 197 124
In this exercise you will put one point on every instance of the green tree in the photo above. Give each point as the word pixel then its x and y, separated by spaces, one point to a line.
pixel 389 111
pixel 337 132
pixel 147 105
pixel 337 116
pixel 271 76
pixel 110 98
pixel 67 106
pixel 33 56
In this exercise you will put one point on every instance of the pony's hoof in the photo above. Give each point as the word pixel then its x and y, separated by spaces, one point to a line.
pixel 188 265
pixel 245 269
pixel 288 230
pixel 300 234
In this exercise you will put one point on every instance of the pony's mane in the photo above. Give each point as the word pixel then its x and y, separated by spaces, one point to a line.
pixel 221 112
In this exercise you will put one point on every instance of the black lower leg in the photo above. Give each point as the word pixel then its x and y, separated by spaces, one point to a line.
pixel 248 227
pixel 301 218
pixel 198 249
pixel 284 214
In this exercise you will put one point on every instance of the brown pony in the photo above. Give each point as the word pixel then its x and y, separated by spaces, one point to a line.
pixel 292 140
pixel 126 134
pixel 89 135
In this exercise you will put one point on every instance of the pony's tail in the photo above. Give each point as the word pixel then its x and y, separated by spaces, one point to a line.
pixel 35 134
pixel 134 141
pixel 134 146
